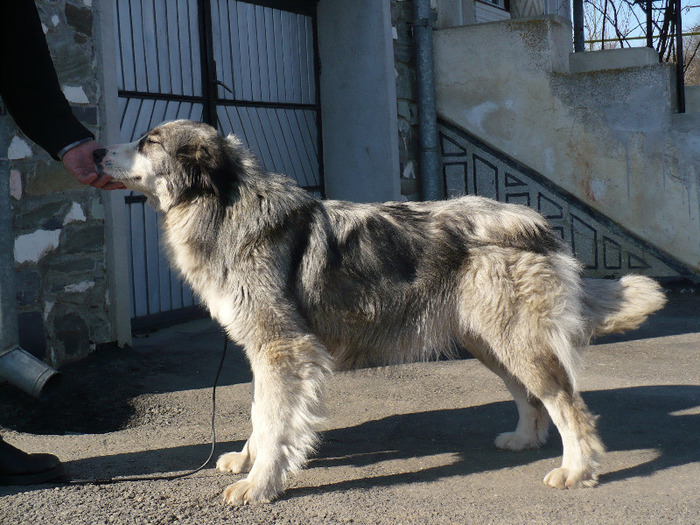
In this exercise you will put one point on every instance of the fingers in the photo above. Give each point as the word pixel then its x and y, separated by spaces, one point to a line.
pixel 101 182
pixel 114 186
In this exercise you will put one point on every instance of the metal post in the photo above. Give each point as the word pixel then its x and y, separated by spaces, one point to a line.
pixel 578 26
pixel 680 81
pixel 650 30
pixel 206 53
pixel 432 187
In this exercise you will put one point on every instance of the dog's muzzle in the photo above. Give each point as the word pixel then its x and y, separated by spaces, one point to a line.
pixel 99 154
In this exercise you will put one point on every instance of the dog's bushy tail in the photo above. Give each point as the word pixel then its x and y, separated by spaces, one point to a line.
pixel 615 306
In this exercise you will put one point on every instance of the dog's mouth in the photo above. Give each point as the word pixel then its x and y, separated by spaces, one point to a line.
pixel 118 178
pixel 127 179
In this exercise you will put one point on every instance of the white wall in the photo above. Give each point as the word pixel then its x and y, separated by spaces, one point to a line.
pixel 610 137
pixel 358 100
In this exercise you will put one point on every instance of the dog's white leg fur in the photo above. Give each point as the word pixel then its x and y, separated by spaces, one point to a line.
pixel 289 377
pixel 237 462
pixel 533 422
pixel 582 447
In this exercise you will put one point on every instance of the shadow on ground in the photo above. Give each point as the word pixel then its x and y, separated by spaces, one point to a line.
pixel 650 417
pixel 97 395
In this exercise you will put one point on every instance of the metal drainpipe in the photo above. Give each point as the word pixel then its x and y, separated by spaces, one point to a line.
pixel 431 184
pixel 16 365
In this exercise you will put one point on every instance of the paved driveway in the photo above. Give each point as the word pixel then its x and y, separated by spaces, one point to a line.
pixel 410 444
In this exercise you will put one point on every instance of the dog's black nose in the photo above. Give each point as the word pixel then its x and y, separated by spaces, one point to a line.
pixel 98 155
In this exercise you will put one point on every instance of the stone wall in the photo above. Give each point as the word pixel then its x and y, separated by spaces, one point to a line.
pixel 63 298
pixel 401 16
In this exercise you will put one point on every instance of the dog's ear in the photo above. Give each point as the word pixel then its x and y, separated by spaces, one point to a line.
pixel 207 166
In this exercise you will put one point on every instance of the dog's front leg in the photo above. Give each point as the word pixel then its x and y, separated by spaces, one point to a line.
pixel 289 378
pixel 237 462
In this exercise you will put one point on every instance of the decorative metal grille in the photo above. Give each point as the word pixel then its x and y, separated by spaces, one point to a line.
pixel 471 167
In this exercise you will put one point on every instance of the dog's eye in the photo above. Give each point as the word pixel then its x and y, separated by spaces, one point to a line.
pixel 148 141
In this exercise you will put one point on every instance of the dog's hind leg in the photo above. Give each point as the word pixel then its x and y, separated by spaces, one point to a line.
pixel 543 376
pixel 533 420
pixel 527 309
pixel 289 378
pixel 582 446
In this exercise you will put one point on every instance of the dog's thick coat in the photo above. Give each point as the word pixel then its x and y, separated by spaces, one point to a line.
pixel 307 286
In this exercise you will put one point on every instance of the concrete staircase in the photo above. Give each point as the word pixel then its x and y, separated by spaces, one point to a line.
pixel 592 140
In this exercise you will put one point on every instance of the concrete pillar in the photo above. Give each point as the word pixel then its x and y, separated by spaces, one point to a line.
pixel 358 100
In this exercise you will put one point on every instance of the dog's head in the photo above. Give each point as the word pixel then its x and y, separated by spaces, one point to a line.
pixel 174 163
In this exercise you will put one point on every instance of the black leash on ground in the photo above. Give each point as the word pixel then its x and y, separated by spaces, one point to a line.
pixel 110 481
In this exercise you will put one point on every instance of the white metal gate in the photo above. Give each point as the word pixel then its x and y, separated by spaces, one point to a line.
pixel 248 68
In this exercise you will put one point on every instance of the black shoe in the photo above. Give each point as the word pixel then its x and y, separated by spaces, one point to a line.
pixel 19 468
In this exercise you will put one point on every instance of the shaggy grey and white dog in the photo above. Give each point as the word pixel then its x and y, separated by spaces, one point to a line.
pixel 309 286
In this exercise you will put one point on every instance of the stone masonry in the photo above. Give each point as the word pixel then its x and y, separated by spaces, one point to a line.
pixel 401 16
pixel 62 293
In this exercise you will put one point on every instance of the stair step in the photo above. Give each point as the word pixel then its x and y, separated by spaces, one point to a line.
pixel 629 57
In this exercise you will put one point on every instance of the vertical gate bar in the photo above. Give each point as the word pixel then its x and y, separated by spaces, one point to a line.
pixel 190 52
pixel 278 159
pixel 208 66
pixel 236 51
pixel 269 49
pixel 251 46
pixel 120 55
pixel 650 31
pixel 287 138
pixel 317 92
pixel 229 114
pixel 254 39
pixel 157 47
pixel 133 43
pixel 277 31
pixel 680 81
pixel 132 282
pixel 142 208
pixel 181 69
pixel 143 44
pixel 293 138
pixel 578 26
pixel 167 49
pixel 305 143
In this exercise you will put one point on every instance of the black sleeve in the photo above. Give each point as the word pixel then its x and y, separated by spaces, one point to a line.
pixel 28 82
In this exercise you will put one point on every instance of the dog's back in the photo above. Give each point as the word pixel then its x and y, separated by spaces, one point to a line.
pixel 384 283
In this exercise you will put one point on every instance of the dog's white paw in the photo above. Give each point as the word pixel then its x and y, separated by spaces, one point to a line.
pixel 245 492
pixel 564 478
pixel 235 462
pixel 515 441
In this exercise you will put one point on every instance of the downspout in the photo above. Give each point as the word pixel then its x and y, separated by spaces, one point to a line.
pixel 431 185
pixel 16 365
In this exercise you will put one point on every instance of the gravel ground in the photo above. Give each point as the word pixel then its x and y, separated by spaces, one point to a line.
pixel 410 444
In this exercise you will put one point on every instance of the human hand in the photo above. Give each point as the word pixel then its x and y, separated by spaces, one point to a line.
pixel 78 160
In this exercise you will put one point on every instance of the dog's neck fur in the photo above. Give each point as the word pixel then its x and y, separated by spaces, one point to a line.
pixel 191 228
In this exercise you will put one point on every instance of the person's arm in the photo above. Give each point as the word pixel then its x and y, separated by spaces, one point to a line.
pixel 28 82
pixel 32 94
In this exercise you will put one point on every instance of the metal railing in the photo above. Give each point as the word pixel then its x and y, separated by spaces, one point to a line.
pixel 673 18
